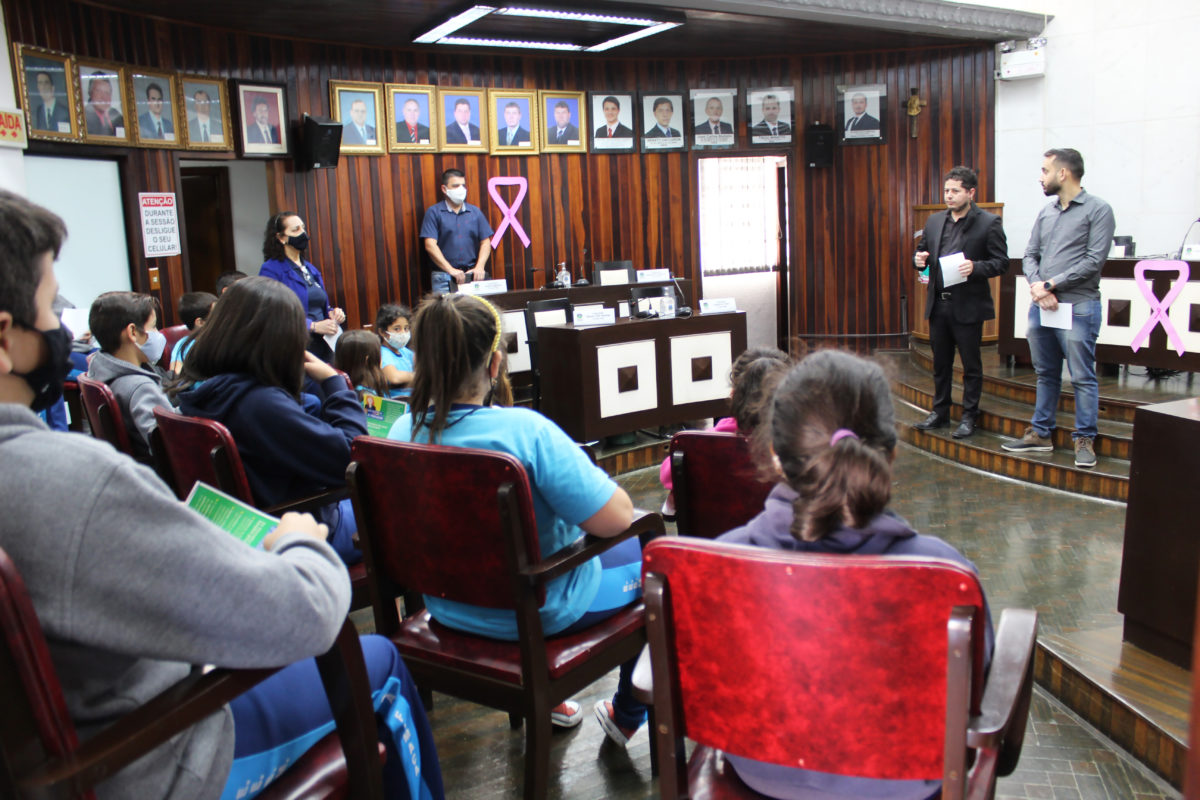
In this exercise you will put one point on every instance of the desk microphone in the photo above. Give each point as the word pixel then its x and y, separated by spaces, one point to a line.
pixel 682 311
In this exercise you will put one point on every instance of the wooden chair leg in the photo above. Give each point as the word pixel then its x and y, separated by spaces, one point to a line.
pixel 537 756
pixel 514 721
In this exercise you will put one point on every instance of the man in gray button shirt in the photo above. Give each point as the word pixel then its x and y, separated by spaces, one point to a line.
pixel 1066 250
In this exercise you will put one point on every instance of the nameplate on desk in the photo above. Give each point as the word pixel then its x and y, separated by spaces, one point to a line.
pixel 495 286
pixel 718 305
pixel 594 316
pixel 653 275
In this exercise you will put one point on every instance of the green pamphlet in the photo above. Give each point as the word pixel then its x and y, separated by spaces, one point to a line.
pixel 382 413
pixel 244 521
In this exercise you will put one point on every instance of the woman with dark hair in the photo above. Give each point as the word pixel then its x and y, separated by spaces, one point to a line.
pixel 392 325
pixel 247 370
pixel 829 436
pixel 284 245
pixel 459 356
pixel 358 356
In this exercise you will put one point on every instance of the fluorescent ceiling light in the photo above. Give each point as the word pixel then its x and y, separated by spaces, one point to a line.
pixel 632 37
pixel 454 23
pixel 574 16
pixel 478 42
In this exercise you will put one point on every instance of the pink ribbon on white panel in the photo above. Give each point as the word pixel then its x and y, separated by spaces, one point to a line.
pixel 510 212
pixel 1159 309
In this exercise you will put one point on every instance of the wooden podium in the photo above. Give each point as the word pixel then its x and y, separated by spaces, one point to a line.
pixel 610 379
pixel 920 325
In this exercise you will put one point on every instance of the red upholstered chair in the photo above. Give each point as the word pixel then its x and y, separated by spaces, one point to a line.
pixel 196 449
pixel 474 540
pixel 103 414
pixel 74 401
pixel 858 665
pixel 173 334
pixel 41 756
pixel 715 481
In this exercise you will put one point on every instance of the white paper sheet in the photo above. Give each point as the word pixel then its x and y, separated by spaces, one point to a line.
pixel 950 274
pixel 332 338
pixel 1058 318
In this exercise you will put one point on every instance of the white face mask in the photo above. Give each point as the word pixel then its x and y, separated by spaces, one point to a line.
pixel 457 195
pixel 155 344
pixel 399 340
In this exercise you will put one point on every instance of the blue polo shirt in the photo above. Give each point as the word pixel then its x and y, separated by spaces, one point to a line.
pixel 458 235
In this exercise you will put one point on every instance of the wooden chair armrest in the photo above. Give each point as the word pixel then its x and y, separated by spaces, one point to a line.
pixel 646 525
pixel 1005 705
pixel 310 502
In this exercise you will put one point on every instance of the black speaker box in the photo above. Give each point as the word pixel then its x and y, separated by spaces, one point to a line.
pixel 818 145
pixel 321 142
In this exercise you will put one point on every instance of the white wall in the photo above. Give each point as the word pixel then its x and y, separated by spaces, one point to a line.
pixel 1121 88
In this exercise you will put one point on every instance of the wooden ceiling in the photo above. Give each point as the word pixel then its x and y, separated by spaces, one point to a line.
pixel 712 30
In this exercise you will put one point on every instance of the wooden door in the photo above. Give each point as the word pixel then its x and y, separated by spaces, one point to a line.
pixel 208 216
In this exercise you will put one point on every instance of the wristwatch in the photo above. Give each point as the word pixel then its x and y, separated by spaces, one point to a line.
pixel 1047 286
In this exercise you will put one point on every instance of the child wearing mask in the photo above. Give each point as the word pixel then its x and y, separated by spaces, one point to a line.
pixel 393 325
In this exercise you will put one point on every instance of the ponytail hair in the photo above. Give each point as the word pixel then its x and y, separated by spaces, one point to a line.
pixel 832 426
pixel 456 335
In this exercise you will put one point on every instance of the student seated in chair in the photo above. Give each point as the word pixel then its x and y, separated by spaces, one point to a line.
pixel 829 434
pixel 194 308
pixel 124 324
pixel 357 355
pixel 392 326
pixel 247 370
pixel 459 357
pixel 134 590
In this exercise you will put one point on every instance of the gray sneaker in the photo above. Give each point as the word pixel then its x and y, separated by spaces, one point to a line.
pixel 1030 442
pixel 1085 452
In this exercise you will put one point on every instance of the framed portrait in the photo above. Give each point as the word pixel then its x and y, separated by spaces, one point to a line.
pixel 205 104
pixel 47 89
pixel 565 115
pixel 517 121
pixel 359 107
pixel 260 119
pixel 103 90
pixel 413 118
pixel 714 118
pixel 154 109
pixel 861 110
pixel 663 123
pixel 465 115
pixel 614 120
pixel 771 115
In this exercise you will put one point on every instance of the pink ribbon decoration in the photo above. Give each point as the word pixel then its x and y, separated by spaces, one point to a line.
pixel 510 212
pixel 1159 308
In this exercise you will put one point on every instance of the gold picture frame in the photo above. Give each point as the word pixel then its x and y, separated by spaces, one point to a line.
pixel 360 136
pixel 454 139
pixel 48 93
pixel 575 129
pixel 205 128
pixel 104 95
pixel 518 121
pixel 155 114
pixel 405 100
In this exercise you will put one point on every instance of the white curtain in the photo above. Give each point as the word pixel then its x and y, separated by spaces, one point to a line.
pixel 739 215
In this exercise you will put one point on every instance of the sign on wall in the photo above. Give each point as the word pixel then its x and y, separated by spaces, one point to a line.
pixel 12 128
pixel 160 224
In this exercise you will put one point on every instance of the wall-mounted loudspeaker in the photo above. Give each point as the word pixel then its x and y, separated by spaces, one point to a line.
pixel 818 145
pixel 321 142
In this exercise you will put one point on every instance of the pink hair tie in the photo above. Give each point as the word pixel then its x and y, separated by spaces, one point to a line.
pixel 841 433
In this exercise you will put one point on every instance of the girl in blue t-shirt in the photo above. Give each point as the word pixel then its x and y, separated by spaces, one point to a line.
pixel 392 325
pixel 357 355
pixel 458 360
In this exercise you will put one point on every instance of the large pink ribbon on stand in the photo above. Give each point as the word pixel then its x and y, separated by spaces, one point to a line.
pixel 1159 309
pixel 510 212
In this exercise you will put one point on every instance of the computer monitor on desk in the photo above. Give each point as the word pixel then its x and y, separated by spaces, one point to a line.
pixel 613 273
pixel 651 301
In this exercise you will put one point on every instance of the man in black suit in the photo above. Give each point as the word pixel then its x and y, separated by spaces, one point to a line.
pixel 410 130
pixel 562 131
pixel 49 113
pixel 770 124
pixel 357 131
pixel 101 118
pixel 612 127
pixel 663 109
pixel 713 126
pixel 956 313
pixel 860 120
pixel 462 130
pixel 261 131
pixel 511 134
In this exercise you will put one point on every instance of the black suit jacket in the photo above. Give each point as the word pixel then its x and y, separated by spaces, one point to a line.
pixel 521 137
pixel 763 129
pixel 655 132
pixel 570 133
pixel 620 132
pixel 865 123
pixel 402 134
pixel 983 243
pixel 254 134
pixel 454 134
pixel 705 129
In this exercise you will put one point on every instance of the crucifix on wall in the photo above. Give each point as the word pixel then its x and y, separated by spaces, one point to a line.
pixel 914 110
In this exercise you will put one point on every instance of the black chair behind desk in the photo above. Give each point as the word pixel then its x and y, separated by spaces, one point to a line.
pixel 532 309
pixel 613 266
pixel 637 293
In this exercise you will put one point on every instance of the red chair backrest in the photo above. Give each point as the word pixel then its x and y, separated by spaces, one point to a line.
pixel 715 481
pixel 35 724
pixel 444 521
pixel 832 663
pixel 103 413
pixel 173 334
pixel 201 450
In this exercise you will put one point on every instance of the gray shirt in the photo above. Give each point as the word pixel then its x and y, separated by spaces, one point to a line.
pixel 1070 245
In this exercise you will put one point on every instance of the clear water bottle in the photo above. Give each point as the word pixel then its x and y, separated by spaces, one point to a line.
pixel 564 276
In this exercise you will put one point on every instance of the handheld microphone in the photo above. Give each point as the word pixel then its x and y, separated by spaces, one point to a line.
pixel 684 311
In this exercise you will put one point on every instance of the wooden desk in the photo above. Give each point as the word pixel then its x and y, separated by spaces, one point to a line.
pixel 611 379
pixel 610 296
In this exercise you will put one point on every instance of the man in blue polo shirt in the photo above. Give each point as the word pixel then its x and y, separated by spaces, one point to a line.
pixel 457 236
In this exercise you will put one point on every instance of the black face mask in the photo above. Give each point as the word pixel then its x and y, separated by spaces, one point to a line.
pixel 47 379
pixel 299 242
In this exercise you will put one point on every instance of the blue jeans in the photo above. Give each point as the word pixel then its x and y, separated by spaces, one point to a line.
pixel 1048 347
pixel 441 281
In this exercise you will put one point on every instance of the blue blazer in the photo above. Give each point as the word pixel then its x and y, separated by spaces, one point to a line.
pixel 286 273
